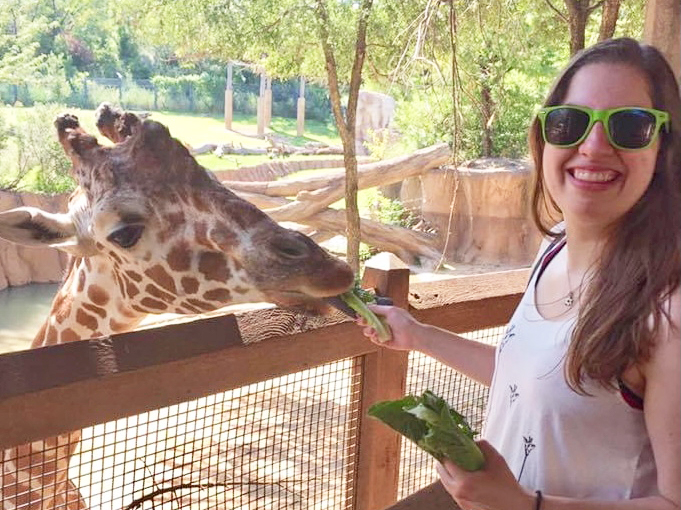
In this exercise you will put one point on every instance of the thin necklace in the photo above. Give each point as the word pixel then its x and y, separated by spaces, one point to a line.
pixel 570 298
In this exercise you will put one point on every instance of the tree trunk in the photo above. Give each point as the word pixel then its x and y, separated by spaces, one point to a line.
pixel 487 109
pixel 611 9
pixel 346 127
pixel 578 13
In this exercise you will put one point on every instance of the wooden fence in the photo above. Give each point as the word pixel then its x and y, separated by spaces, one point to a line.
pixel 68 387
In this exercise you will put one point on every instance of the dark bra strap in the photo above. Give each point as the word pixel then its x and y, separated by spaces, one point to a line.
pixel 631 398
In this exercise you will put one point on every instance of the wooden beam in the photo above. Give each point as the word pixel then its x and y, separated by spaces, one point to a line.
pixel 113 393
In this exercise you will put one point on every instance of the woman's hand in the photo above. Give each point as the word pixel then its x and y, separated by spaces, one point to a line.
pixel 492 488
pixel 403 327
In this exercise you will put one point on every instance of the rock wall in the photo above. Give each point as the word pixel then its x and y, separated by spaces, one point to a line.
pixel 20 265
pixel 375 112
pixel 490 220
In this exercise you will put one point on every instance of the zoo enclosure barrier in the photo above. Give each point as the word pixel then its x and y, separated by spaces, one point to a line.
pixel 260 410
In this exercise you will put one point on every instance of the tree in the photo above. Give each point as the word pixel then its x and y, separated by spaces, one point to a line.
pixel 20 59
pixel 577 16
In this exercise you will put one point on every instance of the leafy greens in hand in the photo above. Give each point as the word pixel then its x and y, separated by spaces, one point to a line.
pixel 435 427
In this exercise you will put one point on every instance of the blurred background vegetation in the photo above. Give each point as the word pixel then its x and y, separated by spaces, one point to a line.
pixel 471 71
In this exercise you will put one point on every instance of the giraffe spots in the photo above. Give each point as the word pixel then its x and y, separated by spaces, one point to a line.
pixel 51 335
pixel 124 311
pixel 161 277
pixel 214 266
pixel 133 275
pixel 201 234
pixel 222 295
pixel 224 237
pixel 81 280
pixel 131 289
pixel 199 203
pixel 88 264
pixel 189 284
pixel 120 281
pixel 116 326
pixel 174 222
pixel 179 257
pixel 159 294
pixel 201 305
pixel 153 304
pixel 240 290
pixel 97 310
pixel 87 320
pixel 68 335
pixel 186 307
pixel 98 295
pixel 115 257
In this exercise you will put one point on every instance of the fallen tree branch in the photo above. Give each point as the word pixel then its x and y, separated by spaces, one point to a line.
pixel 317 192
pixel 407 244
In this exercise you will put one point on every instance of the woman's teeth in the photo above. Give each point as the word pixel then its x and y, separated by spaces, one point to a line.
pixel 591 176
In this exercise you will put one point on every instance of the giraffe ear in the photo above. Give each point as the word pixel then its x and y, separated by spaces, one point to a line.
pixel 30 226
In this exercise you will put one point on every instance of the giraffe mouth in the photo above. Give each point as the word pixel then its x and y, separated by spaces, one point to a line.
pixel 303 303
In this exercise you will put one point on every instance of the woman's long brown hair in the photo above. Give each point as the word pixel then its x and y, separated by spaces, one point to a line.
pixel 640 266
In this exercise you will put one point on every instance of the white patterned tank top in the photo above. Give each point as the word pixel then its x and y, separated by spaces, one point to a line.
pixel 553 439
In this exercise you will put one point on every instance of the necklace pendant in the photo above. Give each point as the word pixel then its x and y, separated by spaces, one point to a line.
pixel 569 300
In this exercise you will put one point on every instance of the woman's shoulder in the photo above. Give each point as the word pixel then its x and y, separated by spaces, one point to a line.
pixel 666 346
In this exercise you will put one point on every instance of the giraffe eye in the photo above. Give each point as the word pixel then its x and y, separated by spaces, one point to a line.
pixel 126 236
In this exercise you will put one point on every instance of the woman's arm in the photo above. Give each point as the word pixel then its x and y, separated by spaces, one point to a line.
pixel 471 358
pixel 662 399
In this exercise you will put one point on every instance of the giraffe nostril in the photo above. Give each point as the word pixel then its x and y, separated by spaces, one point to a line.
pixel 291 248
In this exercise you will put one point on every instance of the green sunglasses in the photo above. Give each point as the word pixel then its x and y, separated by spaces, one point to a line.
pixel 627 128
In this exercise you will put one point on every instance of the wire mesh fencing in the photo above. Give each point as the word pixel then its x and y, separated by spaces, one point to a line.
pixel 285 443
pixel 417 468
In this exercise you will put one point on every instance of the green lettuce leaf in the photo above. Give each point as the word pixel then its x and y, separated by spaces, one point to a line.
pixel 434 426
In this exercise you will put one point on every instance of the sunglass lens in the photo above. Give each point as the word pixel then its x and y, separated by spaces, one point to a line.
pixel 632 129
pixel 565 126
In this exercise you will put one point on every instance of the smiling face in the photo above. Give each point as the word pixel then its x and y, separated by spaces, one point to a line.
pixel 594 183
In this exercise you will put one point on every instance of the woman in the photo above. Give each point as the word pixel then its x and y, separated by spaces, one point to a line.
pixel 585 393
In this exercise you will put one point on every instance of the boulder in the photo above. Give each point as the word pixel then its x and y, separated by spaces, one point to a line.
pixel 490 222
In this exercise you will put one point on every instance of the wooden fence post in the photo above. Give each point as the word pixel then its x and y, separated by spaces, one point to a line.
pixel 261 106
pixel 300 117
pixel 384 377
pixel 268 101
pixel 229 98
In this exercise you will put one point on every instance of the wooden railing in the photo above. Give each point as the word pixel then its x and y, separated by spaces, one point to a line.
pixel 67 387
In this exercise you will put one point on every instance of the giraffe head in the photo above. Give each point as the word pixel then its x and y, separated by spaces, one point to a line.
pixel 173 238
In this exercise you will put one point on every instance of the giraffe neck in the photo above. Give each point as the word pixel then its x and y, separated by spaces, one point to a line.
pixel 89 304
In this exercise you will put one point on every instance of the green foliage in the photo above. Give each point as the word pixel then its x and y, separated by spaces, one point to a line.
pixel 511 48
pixel 33 159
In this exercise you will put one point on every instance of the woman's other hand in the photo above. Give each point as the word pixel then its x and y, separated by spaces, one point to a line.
pixel 492 488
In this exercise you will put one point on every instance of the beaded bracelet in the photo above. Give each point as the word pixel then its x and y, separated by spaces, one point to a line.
pixel 538 500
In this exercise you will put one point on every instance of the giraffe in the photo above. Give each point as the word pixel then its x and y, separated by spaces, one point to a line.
pixel 148 231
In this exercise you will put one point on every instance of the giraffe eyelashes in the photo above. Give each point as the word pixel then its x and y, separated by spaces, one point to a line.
pixel 126 236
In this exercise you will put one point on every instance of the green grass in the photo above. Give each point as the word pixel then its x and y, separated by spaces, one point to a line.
pixel 197 130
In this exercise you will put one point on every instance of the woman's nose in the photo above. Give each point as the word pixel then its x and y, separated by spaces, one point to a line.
pixel 596 141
